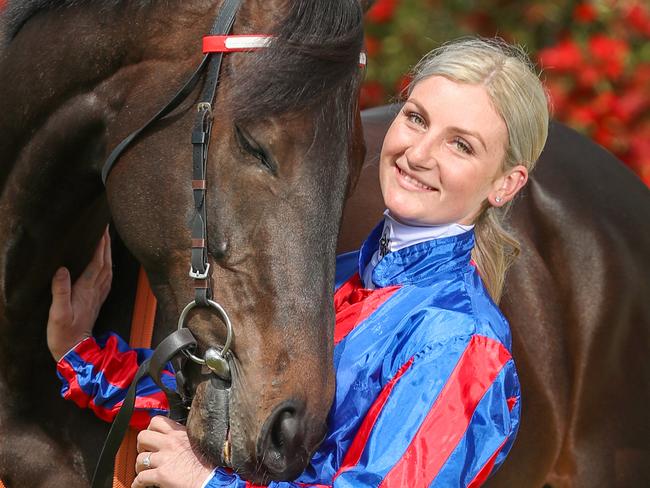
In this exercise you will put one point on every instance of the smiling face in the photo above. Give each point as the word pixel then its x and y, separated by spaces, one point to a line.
pixel 442 156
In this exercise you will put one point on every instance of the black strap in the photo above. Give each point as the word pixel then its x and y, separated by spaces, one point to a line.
pixel 181 95
pixel 166 350
pixel 224 20
pixel 200 143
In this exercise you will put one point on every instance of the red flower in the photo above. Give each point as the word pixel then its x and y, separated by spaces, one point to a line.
pixel 604 137
pixel 402 84
pixel 639 155
pixel 373 45
pixel 372 94
pixel 588 76
pixel 641 76
pixel 638 17
pixel 564 56
pixel 584 117
pixel 609 54
pixel 644 173
pixel 631 104
pixel 382 11
pixel 559 95
pixel 584 12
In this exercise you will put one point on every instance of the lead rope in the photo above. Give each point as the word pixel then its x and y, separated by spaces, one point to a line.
pixel 144 314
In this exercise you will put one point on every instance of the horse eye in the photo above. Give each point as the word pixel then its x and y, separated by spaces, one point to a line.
pixel 249 145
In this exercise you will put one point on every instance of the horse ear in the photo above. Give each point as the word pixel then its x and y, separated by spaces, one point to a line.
pixel 366 4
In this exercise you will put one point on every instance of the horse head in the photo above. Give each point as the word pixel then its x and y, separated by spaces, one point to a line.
pixel 284 147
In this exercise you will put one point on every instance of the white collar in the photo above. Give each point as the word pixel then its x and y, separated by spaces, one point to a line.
pixel 401 235
pixel 397 235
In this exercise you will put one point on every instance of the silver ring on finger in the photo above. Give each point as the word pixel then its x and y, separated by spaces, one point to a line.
pixel 146 462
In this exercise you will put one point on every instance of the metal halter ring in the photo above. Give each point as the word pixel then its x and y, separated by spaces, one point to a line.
pixel 215 360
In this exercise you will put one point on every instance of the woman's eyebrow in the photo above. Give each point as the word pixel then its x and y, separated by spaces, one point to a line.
pixel 469 133
pixel 419 106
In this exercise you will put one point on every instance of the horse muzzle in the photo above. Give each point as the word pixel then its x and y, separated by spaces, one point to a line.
pixel 208 422
pixel 282 440
pixel 279 451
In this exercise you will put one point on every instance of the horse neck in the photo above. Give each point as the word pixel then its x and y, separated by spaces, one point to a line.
pixel 60 106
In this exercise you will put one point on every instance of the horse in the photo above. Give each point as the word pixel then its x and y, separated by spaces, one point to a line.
pixel 286 144
pixel 577 299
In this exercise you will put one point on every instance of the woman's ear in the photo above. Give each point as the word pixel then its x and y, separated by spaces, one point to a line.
pixel 506 187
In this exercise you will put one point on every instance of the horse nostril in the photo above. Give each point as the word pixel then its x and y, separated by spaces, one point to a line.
pixel 284 432
pixel 281 443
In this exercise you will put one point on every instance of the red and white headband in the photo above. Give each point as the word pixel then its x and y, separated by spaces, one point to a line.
pixel 246 42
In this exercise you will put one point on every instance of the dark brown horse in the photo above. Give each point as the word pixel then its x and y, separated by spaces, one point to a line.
pixel 75 78
pixel 578 301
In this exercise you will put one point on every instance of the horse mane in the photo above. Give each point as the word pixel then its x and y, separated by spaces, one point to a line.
pixel 17 12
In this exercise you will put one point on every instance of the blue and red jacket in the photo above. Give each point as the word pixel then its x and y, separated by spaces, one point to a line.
pixel 427 392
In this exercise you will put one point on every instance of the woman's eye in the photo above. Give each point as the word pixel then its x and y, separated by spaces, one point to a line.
pixel 252 148
pixel 415 118
pixel 463 146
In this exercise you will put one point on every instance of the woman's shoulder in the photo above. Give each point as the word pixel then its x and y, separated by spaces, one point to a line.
pixel 444 314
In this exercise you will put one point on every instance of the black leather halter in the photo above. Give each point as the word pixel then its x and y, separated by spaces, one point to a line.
pixel 211 66
pixel 182 340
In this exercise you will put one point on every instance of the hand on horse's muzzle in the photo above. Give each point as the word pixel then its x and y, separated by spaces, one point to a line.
pixel 166 458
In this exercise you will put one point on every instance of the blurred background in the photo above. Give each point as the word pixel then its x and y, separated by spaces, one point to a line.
pixel 594 57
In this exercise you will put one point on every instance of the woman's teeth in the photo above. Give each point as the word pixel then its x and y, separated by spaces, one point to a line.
pixel 413 181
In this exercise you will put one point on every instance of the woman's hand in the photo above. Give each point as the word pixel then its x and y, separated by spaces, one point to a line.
pixel 166 459
pixel 74 309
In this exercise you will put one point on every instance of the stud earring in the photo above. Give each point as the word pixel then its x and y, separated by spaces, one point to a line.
pixel 497 199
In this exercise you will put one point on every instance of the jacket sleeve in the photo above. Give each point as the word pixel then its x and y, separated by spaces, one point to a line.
pixel 97 373
pixel 447 417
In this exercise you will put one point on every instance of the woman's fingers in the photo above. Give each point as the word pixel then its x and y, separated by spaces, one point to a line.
pixel 61 308
pixel 163 424
pixel 108 260
pixel 75 307
pixel 61 315
pixel 144 461
pixel 146 478
pixel 106 273
pixel 150 441
pixel 94 267
pixel 101 263
pixel 166 458
pixel 161 433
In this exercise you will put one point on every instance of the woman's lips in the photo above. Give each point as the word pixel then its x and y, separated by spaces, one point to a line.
pixel 409 183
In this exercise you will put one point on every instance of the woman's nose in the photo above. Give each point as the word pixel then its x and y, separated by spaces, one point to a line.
pixel 421 154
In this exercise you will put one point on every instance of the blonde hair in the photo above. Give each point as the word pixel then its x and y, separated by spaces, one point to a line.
pixel 518 96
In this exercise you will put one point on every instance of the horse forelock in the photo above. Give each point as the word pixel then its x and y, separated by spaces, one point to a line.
pixel 312 63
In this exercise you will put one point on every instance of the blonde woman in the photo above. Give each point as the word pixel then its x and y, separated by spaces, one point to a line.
pixel 427 392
